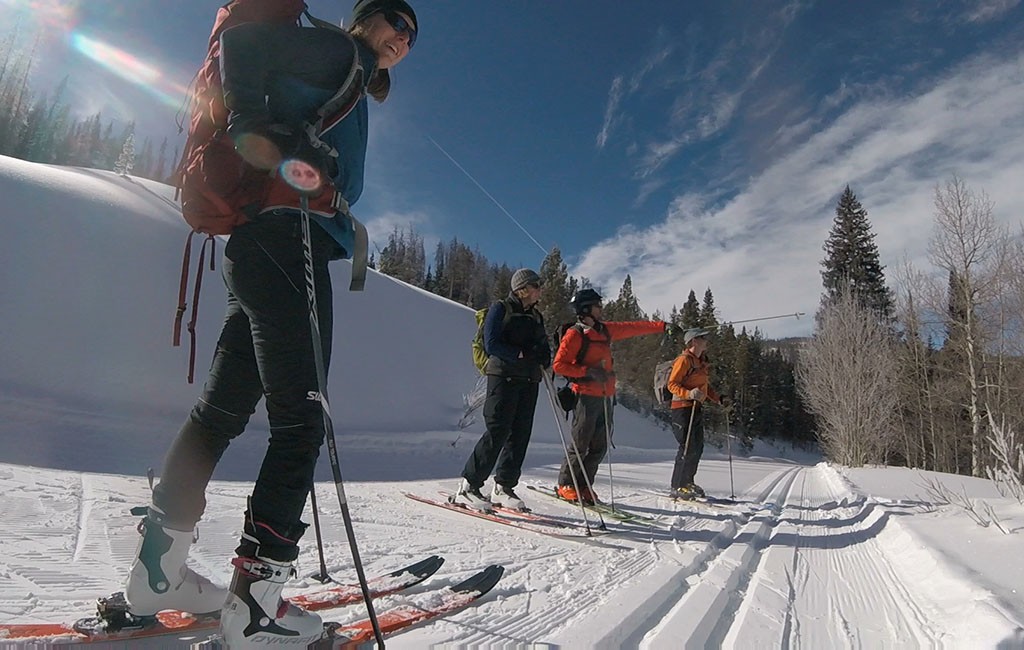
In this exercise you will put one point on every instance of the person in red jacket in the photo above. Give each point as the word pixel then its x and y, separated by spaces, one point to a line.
pixel 592 375
pixel 689 384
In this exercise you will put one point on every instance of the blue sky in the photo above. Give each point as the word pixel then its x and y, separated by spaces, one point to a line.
pixel 690 144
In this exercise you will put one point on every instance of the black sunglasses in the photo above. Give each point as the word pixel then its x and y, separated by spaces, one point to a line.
pixel 400 24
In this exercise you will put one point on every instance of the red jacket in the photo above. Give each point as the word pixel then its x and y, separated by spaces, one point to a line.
pixel 599 353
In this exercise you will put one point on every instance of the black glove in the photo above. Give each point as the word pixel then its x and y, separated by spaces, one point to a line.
pixel 672 330
pixel 596 374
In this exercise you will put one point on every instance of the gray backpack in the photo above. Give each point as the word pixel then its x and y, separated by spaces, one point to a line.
pixel 662 395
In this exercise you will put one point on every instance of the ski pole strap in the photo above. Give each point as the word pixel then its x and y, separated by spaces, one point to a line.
pixel 359 255
pixel 182 292
pixel 179 313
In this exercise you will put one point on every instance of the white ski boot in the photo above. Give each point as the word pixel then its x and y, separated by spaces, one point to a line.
pixel 159 578
pixel 507 498
pixel 256 615
pixel 472 497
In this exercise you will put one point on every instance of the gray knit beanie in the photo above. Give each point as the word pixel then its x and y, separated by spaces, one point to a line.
pixel 524 277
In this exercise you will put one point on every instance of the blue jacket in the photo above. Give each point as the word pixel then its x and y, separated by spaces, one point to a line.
pixel 283 74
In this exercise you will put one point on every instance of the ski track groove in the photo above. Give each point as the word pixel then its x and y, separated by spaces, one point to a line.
pixel 546 611
pixel 838 544
pixel 82 523
pixel 698 613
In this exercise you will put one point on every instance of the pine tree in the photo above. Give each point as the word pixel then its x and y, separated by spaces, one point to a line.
pixel 502 282
pixel 126 160
pixel 556 291
pixel 690 314
pixel 160 173
pixel 707 316
pixel 635 357
pixel 625 307
pixel 851 260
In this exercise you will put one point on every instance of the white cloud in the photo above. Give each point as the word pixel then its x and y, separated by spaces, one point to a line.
pixel 619 91
pixel 760 253
pixel 379 228
pixel 610 112
pixel 984 11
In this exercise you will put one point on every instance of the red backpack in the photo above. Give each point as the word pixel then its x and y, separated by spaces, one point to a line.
pixel 213 182
pixel 217 189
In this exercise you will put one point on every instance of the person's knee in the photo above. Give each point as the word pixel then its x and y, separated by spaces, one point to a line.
pixel 217 422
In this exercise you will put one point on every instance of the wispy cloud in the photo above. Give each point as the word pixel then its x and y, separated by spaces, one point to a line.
pixel 620 90
pixel 713 88
pixel 984 11
pixel 610 112
pixel 760 252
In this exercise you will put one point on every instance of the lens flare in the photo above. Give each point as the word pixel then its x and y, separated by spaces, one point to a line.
pixel 131 68
pixel 52 14
pixel 301 176
pixel 117 61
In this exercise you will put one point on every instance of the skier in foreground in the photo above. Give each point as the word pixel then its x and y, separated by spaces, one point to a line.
pixel 518 352
pixel 275 77
pixel 593 379
pixel 688 383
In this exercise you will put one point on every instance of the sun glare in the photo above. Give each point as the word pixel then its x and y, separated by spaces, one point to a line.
pixel 131 68
pixel 117 61
pixel 50 14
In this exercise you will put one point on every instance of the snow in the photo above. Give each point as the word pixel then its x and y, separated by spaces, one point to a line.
pixel 92 393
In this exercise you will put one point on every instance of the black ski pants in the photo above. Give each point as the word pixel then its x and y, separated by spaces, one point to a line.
pixel 591 425
pixel 508 413
pixel 688 456
pixel 265 350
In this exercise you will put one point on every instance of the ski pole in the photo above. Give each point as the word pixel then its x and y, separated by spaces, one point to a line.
pixel 689 428
pixel 608 438
pixel 321 577
pixel 565 447
pixel 332 449
pixel 728 446
pixel 797 316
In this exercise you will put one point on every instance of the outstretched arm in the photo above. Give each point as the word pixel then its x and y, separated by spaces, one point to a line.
pixel 618 330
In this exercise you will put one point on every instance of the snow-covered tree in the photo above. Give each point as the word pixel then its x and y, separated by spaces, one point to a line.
pixel 126 160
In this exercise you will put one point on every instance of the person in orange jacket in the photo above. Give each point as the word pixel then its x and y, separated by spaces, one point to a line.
pixel 592 376
pixel 689 384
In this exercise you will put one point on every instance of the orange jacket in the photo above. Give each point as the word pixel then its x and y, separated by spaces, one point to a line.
pixel 689 372
pixel 599 353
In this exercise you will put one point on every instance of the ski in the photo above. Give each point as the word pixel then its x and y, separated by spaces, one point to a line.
pixel 432 605
pixel 710 501
pixel 527 514
pixel 417 609
pixel 116 624
pixel 602 509
pixel 563 531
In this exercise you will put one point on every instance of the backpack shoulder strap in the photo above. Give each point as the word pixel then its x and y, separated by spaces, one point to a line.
pixel 689 370
pixel 348 94
pixel 583 346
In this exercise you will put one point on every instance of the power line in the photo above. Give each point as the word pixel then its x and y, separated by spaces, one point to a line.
pixel 488 194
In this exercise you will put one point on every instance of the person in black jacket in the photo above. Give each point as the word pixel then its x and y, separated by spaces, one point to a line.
pixel 518 353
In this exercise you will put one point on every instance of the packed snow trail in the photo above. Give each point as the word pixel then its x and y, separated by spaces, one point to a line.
pixel 799 561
